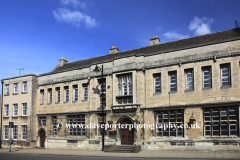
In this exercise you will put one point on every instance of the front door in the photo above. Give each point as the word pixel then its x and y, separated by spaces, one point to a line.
pixel 42 138
pixel 126 134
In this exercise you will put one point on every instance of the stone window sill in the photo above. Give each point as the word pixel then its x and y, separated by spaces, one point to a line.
pixel 49 104
pixel 188 91
pixel 173 92
pixel 225 87
pixel 207 89
pixel 24 116
pixel 75 101
pixel 57 102
pixel 15 94
pixel 6 94
pixel 85 100
pixel 5 117
pixel 24 92
pixel 66 102
pixel 14 116
pixel 157 94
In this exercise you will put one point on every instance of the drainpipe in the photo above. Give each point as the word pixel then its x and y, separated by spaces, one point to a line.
pixel 1 118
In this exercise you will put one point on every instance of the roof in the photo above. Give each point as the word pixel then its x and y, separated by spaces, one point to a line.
pixel 19 77
pixel 193 42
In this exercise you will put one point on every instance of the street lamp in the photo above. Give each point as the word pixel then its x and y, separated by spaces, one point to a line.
pixel 96 70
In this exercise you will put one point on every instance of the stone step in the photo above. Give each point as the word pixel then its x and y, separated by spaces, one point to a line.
pixel 125 148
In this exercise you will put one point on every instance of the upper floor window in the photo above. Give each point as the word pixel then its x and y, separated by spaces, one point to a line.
pixel 42 96
pixel 85 91
pixel 7 89
pixel 189 79
pixel 206 77
pixel 15 110
pixel 50 95
pixel 221 121
pixel 173 81
pixel 24 109
pixel 157 83
pixel 15 90
pixel 75 88
pixel 66 88
pixel 57 94
pixel 225 74
pixel 24 86
pixel 125 85
pixel 6 110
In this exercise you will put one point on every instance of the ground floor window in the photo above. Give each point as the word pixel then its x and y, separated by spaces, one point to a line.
pixel 221 121
pixel 24 132
pixel 174 118
pixel 15 129
pixel 77 125
pixel 6 132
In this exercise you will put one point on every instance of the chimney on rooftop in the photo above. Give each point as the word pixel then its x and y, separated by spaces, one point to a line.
pixel 154 40
pixel 113 50
pixel 62 61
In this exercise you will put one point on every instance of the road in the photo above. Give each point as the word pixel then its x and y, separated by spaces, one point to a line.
pixel 9 156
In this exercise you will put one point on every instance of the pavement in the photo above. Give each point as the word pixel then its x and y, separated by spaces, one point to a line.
pixel 179 154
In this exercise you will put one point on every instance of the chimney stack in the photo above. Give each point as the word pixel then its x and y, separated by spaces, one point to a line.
pixel 113 50
pixel 154 40
pixel 62 61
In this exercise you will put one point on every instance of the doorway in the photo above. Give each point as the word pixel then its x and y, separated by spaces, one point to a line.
pixel 42 138
pixel 127 136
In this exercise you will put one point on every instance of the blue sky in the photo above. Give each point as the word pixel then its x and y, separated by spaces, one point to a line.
pixel 35 34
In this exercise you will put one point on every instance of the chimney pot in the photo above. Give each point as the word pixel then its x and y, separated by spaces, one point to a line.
pixel 113 50
pixel 154 40
pixel 62 61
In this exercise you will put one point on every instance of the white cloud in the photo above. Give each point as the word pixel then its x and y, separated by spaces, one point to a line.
pixel 75 18
pixel 75 3
pixel 200 26
pixel 174 35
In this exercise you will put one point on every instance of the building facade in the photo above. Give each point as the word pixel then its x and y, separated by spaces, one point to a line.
pixel 191 82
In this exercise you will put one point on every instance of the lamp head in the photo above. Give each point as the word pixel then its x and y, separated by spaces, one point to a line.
pixel 96 69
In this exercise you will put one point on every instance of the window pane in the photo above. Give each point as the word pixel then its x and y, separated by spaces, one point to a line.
pixel 224 114
pixel 189 80
pixel 224 129
pixel 206 77
pixel 165 117
pixel 207 115
pixel 173 86
pixel 232 114
pixel 172 117
pixel 157 84
pixel 215 115
pixel 207 130
pixel 179 117
pixel 225 76
pixel 216 129
pixel 159 118
pixel 233 129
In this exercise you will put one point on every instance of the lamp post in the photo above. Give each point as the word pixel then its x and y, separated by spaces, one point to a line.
pixel 96 70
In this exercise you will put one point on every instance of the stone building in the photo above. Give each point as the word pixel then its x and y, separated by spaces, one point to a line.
pixel 193 81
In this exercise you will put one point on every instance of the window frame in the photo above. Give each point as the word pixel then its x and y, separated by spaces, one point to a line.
pixel 15 130
pixel 227 65
pixel 15 109
pixel 155 86
pixel 66 90
pixel 79 119
pixel 160 131
pixel 24 108
pixel 210 77
pixel 58 95
pixel 15 88
pixel 6 128
pixel 24 132
pixel 24 85
pixel 85 92
pixel 7 89
pixel 6 106
pixel 170 73
pixel 186 71
pixel 221 122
